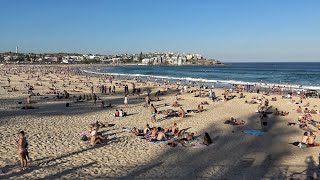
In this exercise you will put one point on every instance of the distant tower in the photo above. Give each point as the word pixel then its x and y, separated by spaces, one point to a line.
pixel 17 50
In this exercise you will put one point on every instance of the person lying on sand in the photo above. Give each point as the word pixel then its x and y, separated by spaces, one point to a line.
pixel 190 137
pixel 175 104
pixel 200 108
pixel 204 103
pixel 313 111
pixel 234 121
pixel 307 105
pixel 280 113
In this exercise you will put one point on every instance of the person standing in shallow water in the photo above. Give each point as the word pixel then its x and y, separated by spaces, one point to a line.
pixel 22 150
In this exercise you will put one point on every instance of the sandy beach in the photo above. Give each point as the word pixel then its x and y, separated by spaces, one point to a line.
pixel 57 151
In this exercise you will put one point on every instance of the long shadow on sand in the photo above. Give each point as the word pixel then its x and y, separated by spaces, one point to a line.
pixel 234 155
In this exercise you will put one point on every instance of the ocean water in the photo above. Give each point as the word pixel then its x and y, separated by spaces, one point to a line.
pixel 295 75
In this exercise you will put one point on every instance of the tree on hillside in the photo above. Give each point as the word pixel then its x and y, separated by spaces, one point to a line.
pixel 140 57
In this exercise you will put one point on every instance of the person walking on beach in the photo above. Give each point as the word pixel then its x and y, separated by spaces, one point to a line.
pixel 126 100
pixel 22 149
pixel 9 81
pixel 94 98
pixel 114 89
pixel 147 100
pixel 153 111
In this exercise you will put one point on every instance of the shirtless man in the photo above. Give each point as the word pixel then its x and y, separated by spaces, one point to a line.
pixel 182 113
pixel 311 139
pixel 22 143
pixel 161 136
pixel 172 129
pixel 153 132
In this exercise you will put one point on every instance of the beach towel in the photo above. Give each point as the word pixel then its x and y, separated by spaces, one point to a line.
pixel 255 132
pixel 307 146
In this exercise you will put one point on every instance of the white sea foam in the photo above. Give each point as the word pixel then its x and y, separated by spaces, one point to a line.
pixel 261 84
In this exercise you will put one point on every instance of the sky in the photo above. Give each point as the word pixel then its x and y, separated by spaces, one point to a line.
pixel 226 30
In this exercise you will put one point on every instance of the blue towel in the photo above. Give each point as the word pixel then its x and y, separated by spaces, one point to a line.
pixel 255 132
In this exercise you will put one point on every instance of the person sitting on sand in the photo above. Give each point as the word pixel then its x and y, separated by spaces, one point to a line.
pixel 299 110
pixel 146 130
pixel 304 139
pixel 306 111
pixel 96 139
pixel 182 113
pixel 172 129
pixel 153 132
pixel 117 113
pixel 276 112
pixel 137 131
pixel 311 139
pixel 207 139
pixel 161 136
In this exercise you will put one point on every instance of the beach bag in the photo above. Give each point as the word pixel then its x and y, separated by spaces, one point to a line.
pixel 84 138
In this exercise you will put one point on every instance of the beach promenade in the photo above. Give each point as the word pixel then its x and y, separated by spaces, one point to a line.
pixel 57 151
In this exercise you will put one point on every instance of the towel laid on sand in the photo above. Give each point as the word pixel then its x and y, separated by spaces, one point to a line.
pixel 307 146
pixel 255 132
